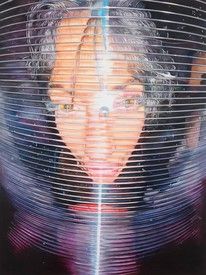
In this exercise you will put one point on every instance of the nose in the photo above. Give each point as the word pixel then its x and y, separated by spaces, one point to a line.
pixel 99 140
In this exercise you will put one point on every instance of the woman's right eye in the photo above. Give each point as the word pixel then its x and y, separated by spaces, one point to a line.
pixel 66 107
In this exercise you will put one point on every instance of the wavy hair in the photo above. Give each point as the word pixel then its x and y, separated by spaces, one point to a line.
pixel 131 30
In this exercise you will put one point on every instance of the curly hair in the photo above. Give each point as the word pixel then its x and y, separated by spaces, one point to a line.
pixel 131 30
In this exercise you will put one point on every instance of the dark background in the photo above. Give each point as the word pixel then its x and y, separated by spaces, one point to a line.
pixel 189 259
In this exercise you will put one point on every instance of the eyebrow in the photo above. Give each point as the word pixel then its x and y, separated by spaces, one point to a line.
pixel 59 86
pixel 115 87
pixel 56 86
pixel 129 82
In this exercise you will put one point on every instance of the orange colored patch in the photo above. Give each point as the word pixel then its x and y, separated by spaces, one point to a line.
pixel 95 208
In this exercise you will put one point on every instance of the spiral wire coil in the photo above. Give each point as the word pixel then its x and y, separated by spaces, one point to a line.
pixel 103 127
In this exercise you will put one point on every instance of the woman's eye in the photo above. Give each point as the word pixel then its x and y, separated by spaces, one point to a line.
pixel 126 103
pixel 66 107
pixel 129 102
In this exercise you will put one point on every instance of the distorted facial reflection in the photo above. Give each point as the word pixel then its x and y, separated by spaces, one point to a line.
pixel 99 116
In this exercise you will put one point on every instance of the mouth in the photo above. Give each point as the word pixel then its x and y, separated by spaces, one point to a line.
pixel 95 208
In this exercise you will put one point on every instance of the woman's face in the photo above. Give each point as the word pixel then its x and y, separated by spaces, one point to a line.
pixel 98 114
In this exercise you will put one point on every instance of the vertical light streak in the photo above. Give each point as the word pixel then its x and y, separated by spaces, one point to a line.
pixel 99 225
pixel 103 13
pixel 102 68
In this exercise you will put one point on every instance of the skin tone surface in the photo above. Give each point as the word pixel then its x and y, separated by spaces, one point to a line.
pixel 98 115
pixel 197 74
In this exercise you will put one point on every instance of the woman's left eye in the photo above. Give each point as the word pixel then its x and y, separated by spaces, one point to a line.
pixel 125 102
pixel 129 102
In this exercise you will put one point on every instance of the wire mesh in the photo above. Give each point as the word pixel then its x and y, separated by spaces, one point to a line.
pixel 103 128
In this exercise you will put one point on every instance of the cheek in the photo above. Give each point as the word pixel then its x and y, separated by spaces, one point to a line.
pixel 127 130
pixel 72 131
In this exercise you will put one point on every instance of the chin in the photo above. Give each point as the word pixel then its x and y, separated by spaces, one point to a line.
pixel 104 176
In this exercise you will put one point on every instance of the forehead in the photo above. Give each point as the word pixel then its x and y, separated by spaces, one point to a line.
pixel 81 53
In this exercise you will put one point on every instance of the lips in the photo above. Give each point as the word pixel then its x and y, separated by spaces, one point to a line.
pixel 94 208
